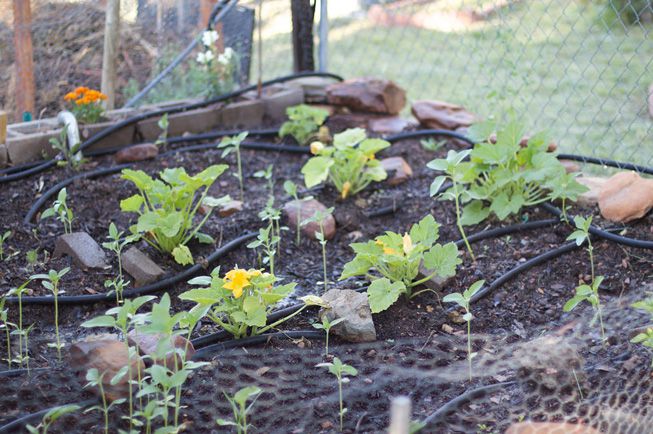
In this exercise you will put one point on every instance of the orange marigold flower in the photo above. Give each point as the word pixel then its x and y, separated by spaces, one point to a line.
pixel 70 96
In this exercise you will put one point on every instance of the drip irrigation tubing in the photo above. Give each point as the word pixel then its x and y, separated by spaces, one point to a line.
pixel 468 396
pixel 626 241
pixel 32 417
pixel 142 290
pixel 606 162
pixel 21 371
pixel 160 112
pixel 52 191
pixel 205 340
pixel 255 340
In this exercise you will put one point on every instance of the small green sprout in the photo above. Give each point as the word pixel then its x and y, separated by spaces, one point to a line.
pixel 95 379
pixel 51 417
pixel 327 325
pixel 319 217
pixel 51 282
pixel 303 122
pixel 268 175
pixel 240 408
pixel 18 329
pixel 69 158
pixel 340 371
pixel 463 300
pixel 3 238
pixel 431 144
pixel 117 242
pixel 60 211
pixel 163 123
pixel 232 144
pixel 6 325
pixel 268 240
pixel 645 338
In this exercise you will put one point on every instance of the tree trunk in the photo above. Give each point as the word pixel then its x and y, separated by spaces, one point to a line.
pixel 303 13
pixel 109 59
pixel 25 88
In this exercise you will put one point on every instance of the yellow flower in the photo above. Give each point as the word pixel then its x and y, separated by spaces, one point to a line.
pixel 386 250
pixel 236 280
pixel 70 96
pixel 345 189
pixel 408 244
pixel 316 147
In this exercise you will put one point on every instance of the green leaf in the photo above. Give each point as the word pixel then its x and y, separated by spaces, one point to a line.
pixel 372 146
pixel 382 293
pixel 182 255
pixel 100 321
pixel 474 213
pixel 141 179
pixel 204 238
pixel 443 259
pixel 349 138
pixel 456 297
pixel 472 290
pixel 359 266
pixel 425 232
pixel 132 203
pixel 316 170
pixel 572 303
pixel 202 296
pixel 245 394
pixel 436 185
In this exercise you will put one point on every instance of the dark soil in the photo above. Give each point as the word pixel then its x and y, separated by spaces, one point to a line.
pixel 421 344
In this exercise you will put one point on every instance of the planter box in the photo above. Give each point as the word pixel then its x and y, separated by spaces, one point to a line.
pixel 29 141
pixel 192 121
pixel 243 114
pixel 314 88
pixel 123 137
pixel 276 99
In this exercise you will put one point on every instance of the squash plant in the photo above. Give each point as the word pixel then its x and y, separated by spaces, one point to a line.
pixel 304 122
pixel 398 258
pixel 350 164
pixel 167 206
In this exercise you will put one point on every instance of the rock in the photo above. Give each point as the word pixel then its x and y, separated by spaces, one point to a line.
pixel 139 266
pixel 549 428
pixel 276 103
pixel 108 355
pixel 570 166
pixel 439 114
pixel 144 151
pixel 4 156
pixel 230 208
pixel 626 196
pixel 595 184
pixel 245 114
pixel 435 283
pixel 398 170
pixel 85 252
pixel 354 307
pixel 304 209
pixel 368 95
pixel 390 125
pixel 314 87
pixel 148 345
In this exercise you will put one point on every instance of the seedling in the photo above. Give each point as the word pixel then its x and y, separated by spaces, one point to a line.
pixel 116 244
pixel 6 325
pixel 350 164
pixel 645 338
pixel 18 292
pixel 232 144
pixel 51 282
pixel 589 293
pixel 267 174
pixel 61 144
pixel 273 216
pixel 431 144
pixel 51 417
pixel 163 123
pixel 166 207
pixel 397 260
pixel 463 300
pixel 459 173
pixel 267 239
pixel 3 238
pixel 32 258
pixel 319 217
pixel 240 408
pixel 327 325
pixel 95 379
pixel 340 371
pixel 240 301
pixel 291 190
pixel 60 211
pixel 303 123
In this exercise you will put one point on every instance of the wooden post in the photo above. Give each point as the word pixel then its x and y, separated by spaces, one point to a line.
pixel 25 88
pixel 400 413
pixel 3 127
pixel 303 14
pixel 206 6
pixel 109 60
pixel 181 16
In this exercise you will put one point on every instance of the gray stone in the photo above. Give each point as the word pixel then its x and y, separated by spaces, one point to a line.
pixel 390 125
pixel 398 170
pixel 368 95
pixel 83 249
pixel 192 121
pixel 143 151
pixel 440 114
pixel 138 265
pixel 436 283
pixel 314 87
pixel 304 209
pixel 355 309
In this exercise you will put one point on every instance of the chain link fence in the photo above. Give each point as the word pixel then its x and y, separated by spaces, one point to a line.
pixel 580 69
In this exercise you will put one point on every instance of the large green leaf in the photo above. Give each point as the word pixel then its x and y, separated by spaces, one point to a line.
pixel 443 259
pixel 132 203
pixel 358 266
pixel 182 255
pixel 382 293
pixel 349 137
pixel 426 231
pixel 316 170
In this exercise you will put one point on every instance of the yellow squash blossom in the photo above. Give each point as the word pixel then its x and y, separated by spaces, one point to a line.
pixel 386 250
pixel 236 280
pixel 408 244
pixel 316 147
pixel 345 189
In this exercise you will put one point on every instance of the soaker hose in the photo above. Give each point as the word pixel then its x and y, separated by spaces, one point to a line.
pixel 22 421
pixel 255 340
pixel 170 110
pixel 142 290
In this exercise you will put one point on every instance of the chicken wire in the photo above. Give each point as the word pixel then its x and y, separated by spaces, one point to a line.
pixel 578 68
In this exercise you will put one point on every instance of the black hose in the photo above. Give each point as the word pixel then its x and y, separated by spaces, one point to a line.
pixel 626 241
pixel 24 420
pixel 142 290
pixel 17 372
pixel 170 110
pixel 52 191
pixel 469 396
pixel 255 340
pixel 537 260
pixel 606 162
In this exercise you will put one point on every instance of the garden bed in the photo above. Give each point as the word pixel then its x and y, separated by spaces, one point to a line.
pixel 420 348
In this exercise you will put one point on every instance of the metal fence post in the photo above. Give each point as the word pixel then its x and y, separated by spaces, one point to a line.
pixel 324 36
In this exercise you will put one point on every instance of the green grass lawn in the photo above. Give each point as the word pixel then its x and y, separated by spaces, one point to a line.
pixel 555 62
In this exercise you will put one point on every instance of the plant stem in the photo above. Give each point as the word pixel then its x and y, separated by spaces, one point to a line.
pixel 8 345
pixel 56 321
pixel 460 226
pixel 469 348
pixel 105 410
pixel 327 342
pixel 20 326
pixel 340 396
pixel 299 219
pixel 590 249
pixel 324 261
pixel 240 174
